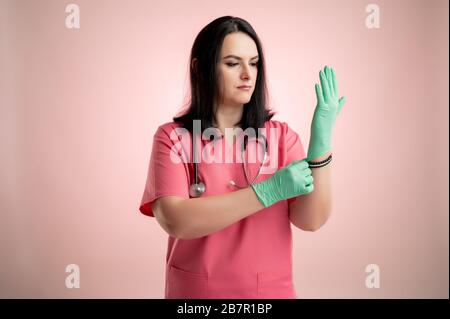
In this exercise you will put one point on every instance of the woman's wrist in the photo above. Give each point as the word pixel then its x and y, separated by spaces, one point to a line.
pixel 321 161
pixel 322 157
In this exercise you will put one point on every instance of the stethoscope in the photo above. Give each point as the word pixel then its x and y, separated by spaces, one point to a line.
pixel 198 188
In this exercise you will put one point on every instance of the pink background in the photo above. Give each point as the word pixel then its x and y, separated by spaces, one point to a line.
pixel 79 108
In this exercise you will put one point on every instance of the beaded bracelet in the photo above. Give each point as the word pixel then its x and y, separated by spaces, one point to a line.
pixel 321 163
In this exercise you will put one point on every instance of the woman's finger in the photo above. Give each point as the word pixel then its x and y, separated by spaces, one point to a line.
pixel 325 88
pixel 330 80
pixel 319 94
pixel 341 104
pixel 335 84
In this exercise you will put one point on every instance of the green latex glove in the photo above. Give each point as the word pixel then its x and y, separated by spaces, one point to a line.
pixel 328 107
pixel 292 180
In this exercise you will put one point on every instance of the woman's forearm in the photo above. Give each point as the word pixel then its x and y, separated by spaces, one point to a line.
pixel 311 211
pixel 197 217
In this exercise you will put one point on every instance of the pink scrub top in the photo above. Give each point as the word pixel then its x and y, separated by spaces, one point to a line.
pixel 251 258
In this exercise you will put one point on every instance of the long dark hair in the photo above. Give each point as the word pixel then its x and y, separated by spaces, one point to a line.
pixel 204 77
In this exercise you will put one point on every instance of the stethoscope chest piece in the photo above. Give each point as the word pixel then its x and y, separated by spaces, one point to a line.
pixel 197 189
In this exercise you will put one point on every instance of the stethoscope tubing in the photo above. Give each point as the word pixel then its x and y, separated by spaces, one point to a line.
pixel 198 188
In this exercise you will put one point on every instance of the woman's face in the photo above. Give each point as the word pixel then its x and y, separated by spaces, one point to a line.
pixel 238 65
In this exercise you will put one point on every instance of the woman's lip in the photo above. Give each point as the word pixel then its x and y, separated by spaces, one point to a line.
pixel 244 87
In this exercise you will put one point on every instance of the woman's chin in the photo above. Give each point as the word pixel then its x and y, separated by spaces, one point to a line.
pixel 242 101
pixel 238 101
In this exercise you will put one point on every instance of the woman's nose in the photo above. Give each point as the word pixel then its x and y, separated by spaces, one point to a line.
pixel 245 74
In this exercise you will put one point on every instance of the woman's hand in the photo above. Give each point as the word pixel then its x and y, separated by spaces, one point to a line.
pixel 291 181
pixel 328 107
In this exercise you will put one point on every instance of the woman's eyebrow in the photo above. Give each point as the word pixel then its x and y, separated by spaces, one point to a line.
pixel 238 58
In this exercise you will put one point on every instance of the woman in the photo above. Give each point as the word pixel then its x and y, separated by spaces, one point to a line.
pixel 229 223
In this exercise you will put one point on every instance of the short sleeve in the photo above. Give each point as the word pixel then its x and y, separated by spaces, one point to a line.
pixel 293 148
pixel 165 176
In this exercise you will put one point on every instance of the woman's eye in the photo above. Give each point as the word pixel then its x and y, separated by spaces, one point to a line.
pixel 233 64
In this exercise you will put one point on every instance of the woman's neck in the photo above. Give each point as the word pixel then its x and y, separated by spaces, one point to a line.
pixel 227 117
